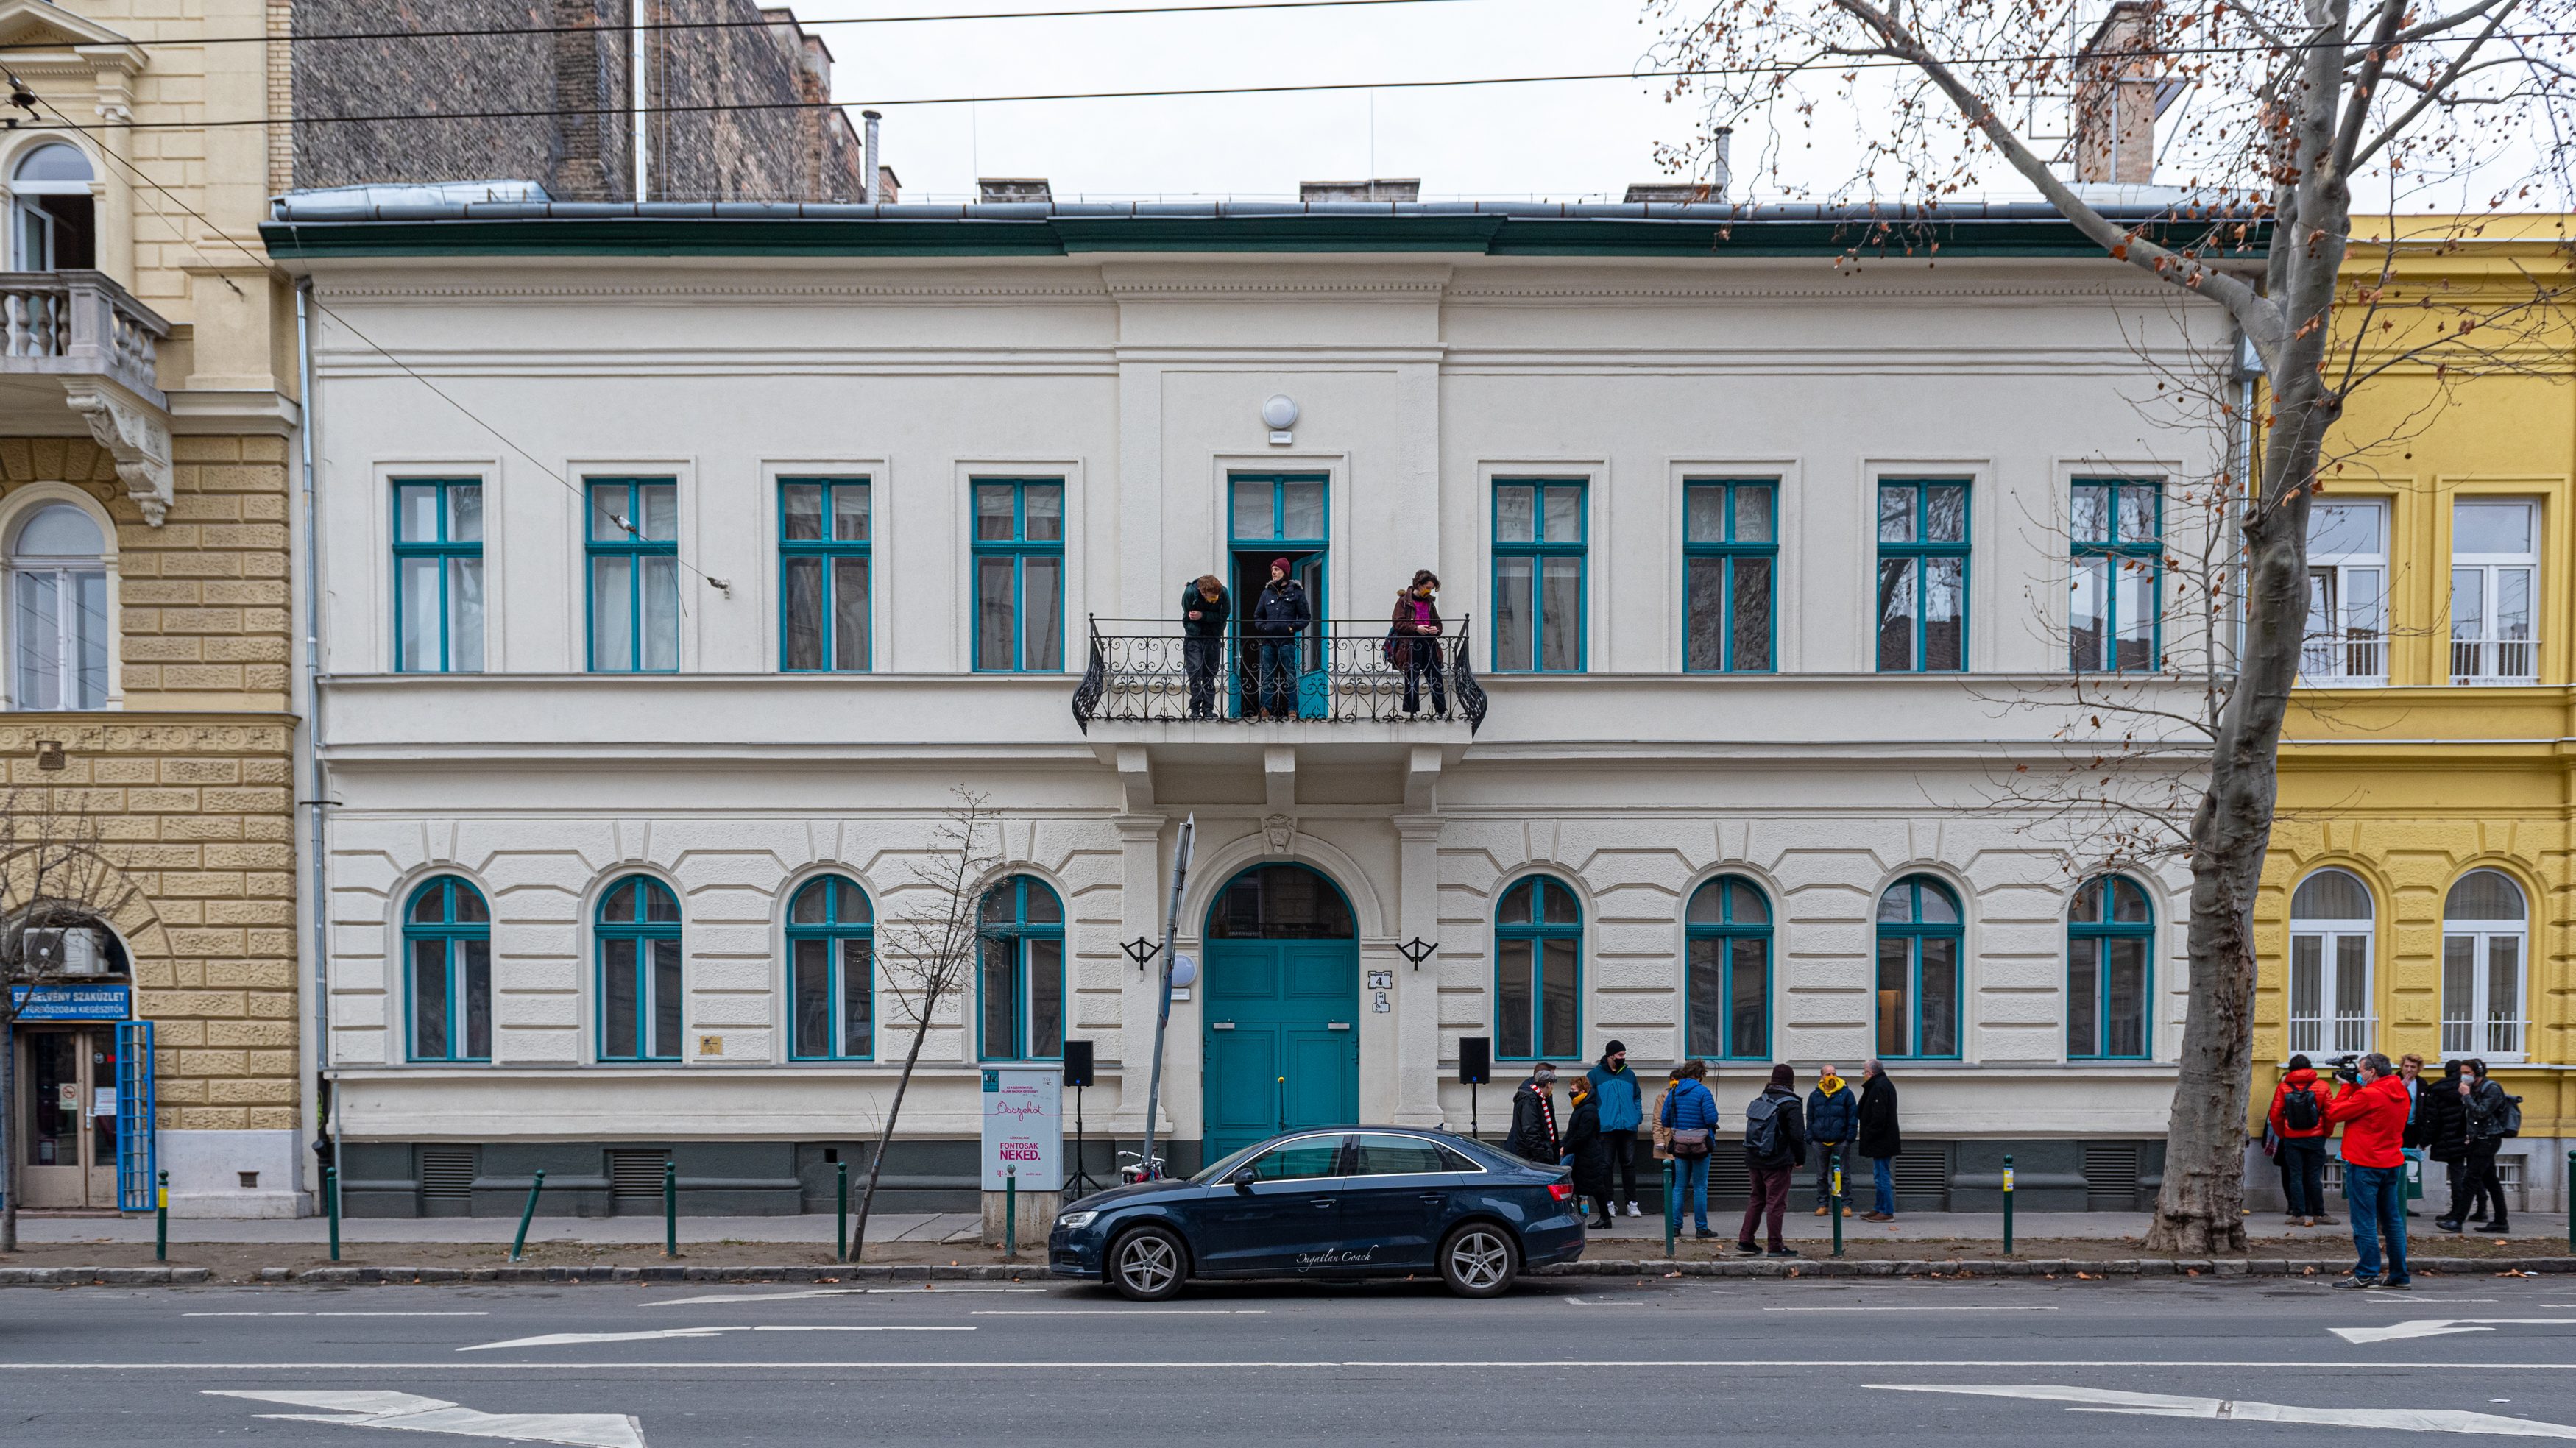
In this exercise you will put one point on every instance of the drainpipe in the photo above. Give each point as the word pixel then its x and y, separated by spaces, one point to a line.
pixel 327 1109
pixel 868 183
pixel 638 103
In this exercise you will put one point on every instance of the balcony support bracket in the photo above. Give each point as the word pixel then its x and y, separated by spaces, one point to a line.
pixel 136 435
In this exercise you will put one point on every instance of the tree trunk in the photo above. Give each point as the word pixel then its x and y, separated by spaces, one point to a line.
pixel 885 1136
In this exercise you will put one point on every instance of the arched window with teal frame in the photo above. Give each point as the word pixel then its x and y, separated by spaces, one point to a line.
pixel 2110 971
pixel 1728 994
pixel 831 972
pixel 447 962
pixel 1020 976
pixel 1920 941
pixel 640 993
pixel 1538 972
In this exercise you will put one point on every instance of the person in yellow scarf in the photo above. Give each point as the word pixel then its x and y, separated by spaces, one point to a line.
pixel 1833 1114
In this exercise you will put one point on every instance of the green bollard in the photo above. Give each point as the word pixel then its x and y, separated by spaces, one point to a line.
pixel 1011 1213
pixel 161 1220
pixel 670 1208
pixel 519 1243
pixel 331 1205
pixel 2569 1192
pixel 1834 1201
pixel 2008 1195
pixel 1673 1208
pixel 841 1232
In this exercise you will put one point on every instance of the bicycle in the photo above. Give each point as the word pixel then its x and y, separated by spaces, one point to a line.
pixel 1132 1170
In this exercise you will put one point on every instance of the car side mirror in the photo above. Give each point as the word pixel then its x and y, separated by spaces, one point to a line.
pixel 1243 1178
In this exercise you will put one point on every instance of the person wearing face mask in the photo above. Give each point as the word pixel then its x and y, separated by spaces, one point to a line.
pixel 1534 1134
pixel 1413 643
pixel 2483 1104
pixel 1622 1112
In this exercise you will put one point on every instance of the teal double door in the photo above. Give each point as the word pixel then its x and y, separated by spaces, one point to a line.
pixel 1283 1041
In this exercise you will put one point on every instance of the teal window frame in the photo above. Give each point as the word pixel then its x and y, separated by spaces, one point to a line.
pixel 1538 550
pixel 1730 555
pixel 1719 936
pixel 2091 946
pixel 1020 937
pixel 1020 549
pixel 831 556
pixel 1532 940
pixel 1922 553
pixel 451 555
pixel 647 935
pixel 453 935
pixel 637 550
pixel 2116 555
pixel 832 934
pixel 1915 936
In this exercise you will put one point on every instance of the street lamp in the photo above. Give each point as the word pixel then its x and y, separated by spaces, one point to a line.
pixel 1417 950
pixel 1142 949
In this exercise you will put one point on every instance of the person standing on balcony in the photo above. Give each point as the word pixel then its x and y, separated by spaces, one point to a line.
pixel 1205 607
pixel 1413 643
pixel 1278 617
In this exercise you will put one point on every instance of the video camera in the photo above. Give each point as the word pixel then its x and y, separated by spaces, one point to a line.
pixel 2345 1069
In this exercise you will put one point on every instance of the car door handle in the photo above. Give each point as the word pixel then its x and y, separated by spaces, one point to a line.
pixel 1435 1198
pixel 1327 1202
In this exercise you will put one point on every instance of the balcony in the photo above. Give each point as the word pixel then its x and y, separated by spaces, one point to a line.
pixel 1336 671
pixel 2353 656
pixel 77 338
pixel 2495 661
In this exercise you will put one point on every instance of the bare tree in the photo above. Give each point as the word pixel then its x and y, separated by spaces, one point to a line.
pixel 56 871
pixel 2290 104
pixel 928 947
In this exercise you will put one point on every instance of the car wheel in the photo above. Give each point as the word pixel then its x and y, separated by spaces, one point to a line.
pixel 1147 1265
pixel 1479 1260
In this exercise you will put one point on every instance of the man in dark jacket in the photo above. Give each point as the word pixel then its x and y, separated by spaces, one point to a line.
pixel 1879 1139
pixel 1205 607
pixel 1833 1111
pixel 1623 1110
pixel 1775 1146
pixel 1278 617
pixel 1534 1135
pixel 2483 1102
pixel 2443 1121
pixel 1585 1153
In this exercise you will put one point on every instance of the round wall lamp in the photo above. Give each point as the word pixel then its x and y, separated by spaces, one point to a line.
pixel 1280 414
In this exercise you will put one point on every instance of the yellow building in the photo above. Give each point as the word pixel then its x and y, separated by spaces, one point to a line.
pixel 2421 881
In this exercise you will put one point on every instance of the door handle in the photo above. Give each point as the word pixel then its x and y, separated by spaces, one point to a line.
pixel 1327 1203
pixel 1220 1025
pixel 1435 1198
pixel 1337 1025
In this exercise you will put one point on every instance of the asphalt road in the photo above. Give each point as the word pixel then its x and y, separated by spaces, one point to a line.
pixel 2256 1362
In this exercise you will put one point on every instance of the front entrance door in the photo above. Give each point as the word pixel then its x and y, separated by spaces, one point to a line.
pixel 68 1122
pixel 1282 1014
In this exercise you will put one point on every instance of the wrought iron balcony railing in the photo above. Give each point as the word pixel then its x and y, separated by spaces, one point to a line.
pixel 1333 670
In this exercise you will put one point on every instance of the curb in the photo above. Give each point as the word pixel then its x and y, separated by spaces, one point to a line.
pixel 1800 1268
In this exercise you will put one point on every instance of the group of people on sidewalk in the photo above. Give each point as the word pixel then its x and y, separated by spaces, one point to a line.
pixel 2390 1113
pixel 1274 631
pixel 1781 1133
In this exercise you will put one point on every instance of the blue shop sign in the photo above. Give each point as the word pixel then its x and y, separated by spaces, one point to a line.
pixel 72 1002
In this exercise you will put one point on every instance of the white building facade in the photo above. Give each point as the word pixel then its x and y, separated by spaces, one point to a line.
pixel 677 568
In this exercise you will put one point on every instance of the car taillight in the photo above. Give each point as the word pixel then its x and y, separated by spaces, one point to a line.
pixel 1562 1191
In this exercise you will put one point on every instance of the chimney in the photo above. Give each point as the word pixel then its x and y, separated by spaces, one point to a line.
pixel 871 170
pixel 889 190
pixel 1383 188
pixel 2118 97
pixel 996 189
pixel 1722 157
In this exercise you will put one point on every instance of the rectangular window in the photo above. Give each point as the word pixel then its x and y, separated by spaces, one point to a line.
pixel 2347 639
pixel 2106 997
pixel 1922 575
pixel 2116 535
pixel 1019 574
pixel 2495 570
pixel 438 575
pixel 834 981
pixel 640 999
pixel 824 530
pixel 1538 989
pixel 2330 991
pixel 1918 995
pixel 1731 557
pixel 1538 575
pixel 634 554
pixel 2482 994
pixel 451 981
pixel 1021 986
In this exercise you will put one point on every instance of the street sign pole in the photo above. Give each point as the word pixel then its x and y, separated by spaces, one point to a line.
pixel 1163 1000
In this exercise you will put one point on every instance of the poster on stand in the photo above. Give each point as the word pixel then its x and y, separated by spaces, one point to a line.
pixel 1024 1127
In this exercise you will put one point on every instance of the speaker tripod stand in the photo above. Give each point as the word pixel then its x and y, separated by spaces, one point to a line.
pixel 1080 1184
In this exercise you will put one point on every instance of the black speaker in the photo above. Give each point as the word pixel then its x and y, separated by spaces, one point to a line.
pixel 1077 1063
pixel 1475 1060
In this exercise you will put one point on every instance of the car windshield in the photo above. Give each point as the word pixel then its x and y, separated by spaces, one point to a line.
pixel 1225 1167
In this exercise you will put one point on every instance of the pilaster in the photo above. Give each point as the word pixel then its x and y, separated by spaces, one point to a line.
pixel 1417 990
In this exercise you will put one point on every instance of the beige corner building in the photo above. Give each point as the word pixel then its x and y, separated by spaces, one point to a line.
pixel 147 423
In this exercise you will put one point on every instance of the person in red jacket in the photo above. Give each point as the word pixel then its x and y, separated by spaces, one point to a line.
pixel 2298 1118
pixel 2373 1113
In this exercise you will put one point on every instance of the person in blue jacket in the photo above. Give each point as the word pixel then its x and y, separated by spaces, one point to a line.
pixel 1623 1110
pixel 1689 1109
pixel 1833 1114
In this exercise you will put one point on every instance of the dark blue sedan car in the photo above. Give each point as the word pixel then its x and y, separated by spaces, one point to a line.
pixel 1339 1202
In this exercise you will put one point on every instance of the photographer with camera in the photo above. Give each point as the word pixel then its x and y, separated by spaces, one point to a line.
pixel 2372 1108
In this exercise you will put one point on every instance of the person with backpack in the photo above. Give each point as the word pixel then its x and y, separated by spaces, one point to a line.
pixel 2298 1121
pixel 1534 1134
pixel 1691 1112
pixel 2445 1126
pixel 1586 1154
pixel 1878 1138
pixel 2492 1116
pixel 1623 1110
pixel 1775 1146
pixel 1833 1111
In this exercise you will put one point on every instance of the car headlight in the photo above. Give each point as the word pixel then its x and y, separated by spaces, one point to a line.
pixel 1075 1221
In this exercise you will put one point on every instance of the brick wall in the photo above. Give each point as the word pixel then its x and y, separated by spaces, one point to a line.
pixel 743 155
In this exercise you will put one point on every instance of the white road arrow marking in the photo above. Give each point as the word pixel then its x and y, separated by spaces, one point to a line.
pixel 2162 1405
pixel 409 1413
pixel 2442 1326
pixel 560 1339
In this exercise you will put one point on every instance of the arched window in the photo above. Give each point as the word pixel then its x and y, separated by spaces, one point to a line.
pixel 639 971
pixel 1021 982
pixel 1729 987
pixel 831 965
pixel 2110 947
pixel 2330 964
pixel 1919 938
pixel 1538 972
pixel 58 625
pixel 53 220
pixel 447 951
pixel 2485 933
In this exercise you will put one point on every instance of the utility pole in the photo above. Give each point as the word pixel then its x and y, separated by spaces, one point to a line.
pixel 1163 1003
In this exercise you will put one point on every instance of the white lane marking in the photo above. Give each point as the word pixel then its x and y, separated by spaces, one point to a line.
pixel 2165 1405
pixel 1897 1307
pixel 1014 1366
pixel 558 1339
pixel 416 1414
pixel 1120 1312
pixel 335 1314
pixel 834 1292
pixel 2442 1326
